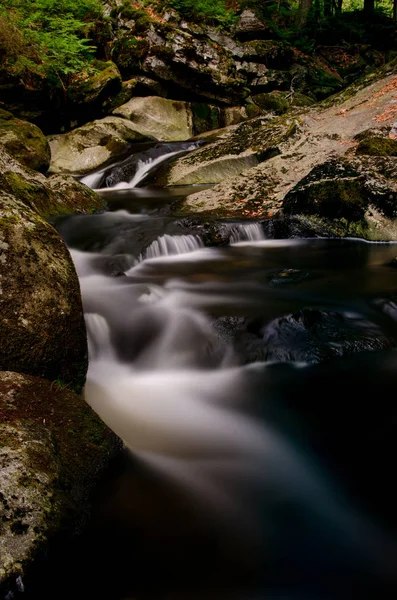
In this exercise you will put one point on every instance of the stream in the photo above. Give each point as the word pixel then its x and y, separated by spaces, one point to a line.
pixel 253 382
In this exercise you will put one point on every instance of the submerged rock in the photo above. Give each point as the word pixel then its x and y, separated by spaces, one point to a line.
pixel 165 120
pixel 24 141
pixel 52 449
pixel 90 146
pixel 42 324
pixel 310 336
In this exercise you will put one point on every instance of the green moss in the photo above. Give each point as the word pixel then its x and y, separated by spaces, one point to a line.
pixel 276 102
pixel 333 199
pixel 128 53
pixel 376 145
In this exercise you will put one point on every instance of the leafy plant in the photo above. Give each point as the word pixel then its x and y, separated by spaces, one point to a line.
pixel 206 11
pixel 47 38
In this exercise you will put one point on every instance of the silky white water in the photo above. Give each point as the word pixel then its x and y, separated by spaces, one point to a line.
pixel 162 379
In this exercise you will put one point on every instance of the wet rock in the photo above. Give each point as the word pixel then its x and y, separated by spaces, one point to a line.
pixel 51 452
pixel 310 336
pixel 24 141
pixel 165 120
pixel 42 325
pixel 90 146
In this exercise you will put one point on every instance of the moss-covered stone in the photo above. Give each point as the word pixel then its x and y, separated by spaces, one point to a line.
pixel 48 197
pixel 128 52
pixel 24 141
pixel 41 323
pixel 331 190
pixel 276 102
pixel 376 143
pixel 205 117
pixel 52 448
pixel 96 88
pixel 72 197
pixel 345 197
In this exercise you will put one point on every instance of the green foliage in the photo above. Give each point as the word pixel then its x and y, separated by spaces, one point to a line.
pixel 47 38
pixel 206 11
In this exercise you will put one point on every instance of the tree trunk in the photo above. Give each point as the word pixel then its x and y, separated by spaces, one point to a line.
pixel 369 6
pixel 394 10
pixel 304 10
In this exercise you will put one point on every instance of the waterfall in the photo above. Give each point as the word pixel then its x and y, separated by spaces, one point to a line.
pixel 243 232
pixel 168 245
pixel 130 172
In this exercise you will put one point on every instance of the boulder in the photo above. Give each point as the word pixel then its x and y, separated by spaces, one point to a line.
pixel 199 67
pixel 348 197
pixel 88 96
pixel 165 120
pixel 377 142
pixel 42 325
pixel 24 141
pixel 88 147
pixel 52 449
pixel 233 151
pixel 104 82
pixel 72 197
pixel 250 27
pixel 48 197
pixel 276 102
pixel 272 53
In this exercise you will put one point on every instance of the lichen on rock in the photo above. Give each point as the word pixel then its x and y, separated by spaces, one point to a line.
pixel 42 325
pixel 52 448
pixel 24 141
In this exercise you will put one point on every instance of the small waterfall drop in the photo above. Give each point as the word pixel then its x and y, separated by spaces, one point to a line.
pixel 246 232
pixel 168 245
pixel 132 171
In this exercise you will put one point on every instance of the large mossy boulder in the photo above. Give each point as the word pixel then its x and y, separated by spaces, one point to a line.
pixel 377 142
pixel 89 147
pixel 24 141
pixel 165 120
pixel 42 325
pixel 49 197
pixel 90 95
pixel 348 197
pixel 52 448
